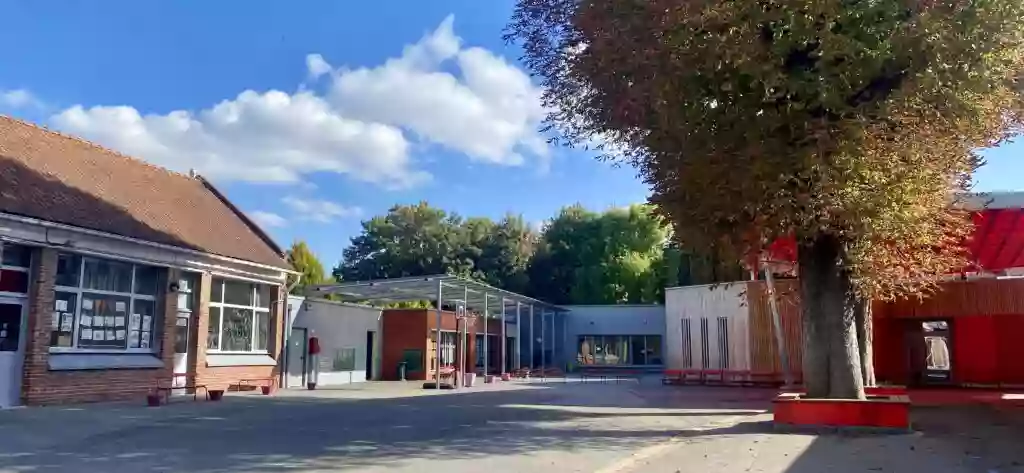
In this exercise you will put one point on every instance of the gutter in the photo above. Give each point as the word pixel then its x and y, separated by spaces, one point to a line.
pixel 97 233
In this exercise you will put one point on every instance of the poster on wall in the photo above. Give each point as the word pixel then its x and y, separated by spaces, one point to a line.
pixel 97 335
pixel 120 307
pixel 65 323
pixel 133 338
pixel 144 342
pixel 56 320
pixel 86 334
pixel 146 321
pixel 61 306
pixel 134 321
pixel 86 304
pixel 119 321
pixel 85 321
pixel 119 335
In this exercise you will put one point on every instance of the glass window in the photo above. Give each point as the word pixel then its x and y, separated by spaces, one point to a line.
pixel 147 280
pixel 654 350
pixel 217 290
pixel 637 352
pixel 263 296
pixel 103 322
pixel 10 326
pixel 244 318
pixel 213 330
pixel 619 350
pixel 106 275
pixel 181 335
pixel 69 268
pixel 238 293
pixel 262 330
pixel 102 310
pixel 14 281
pixel 237 332
pixel 15 255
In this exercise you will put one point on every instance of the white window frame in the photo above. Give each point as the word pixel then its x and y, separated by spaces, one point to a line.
pixel 132 297
pixel 255 311
pixel 17 269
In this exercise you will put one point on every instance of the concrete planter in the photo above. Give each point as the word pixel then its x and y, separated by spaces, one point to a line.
pixel 879 411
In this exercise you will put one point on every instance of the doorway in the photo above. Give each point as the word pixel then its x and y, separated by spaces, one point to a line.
pixel 370 335
pixel 12 350
pixel 181 331
pixel 296 358
pixel 930 349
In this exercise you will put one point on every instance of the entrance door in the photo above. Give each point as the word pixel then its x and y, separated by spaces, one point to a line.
pixel 181 330
pixel 297 358
pixel 938 365
pixel 369 354
pixel 12 350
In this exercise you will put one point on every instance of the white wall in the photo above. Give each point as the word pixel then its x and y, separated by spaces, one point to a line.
pixel 339 325
pixel 711 302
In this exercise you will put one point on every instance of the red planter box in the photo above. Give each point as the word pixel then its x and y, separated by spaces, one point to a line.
pixel 885 411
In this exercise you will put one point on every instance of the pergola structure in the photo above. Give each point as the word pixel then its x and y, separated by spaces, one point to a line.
pixel 460 293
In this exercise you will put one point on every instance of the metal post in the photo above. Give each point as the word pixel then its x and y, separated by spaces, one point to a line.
pixel 504 339
pixel 779 338
pixel 519 338
pixel 532 361
pixel 543 340
pixel 554 342
pixel 486 315
pixel 437 349
pixel 462 338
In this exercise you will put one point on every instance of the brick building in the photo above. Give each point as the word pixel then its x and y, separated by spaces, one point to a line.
pixel 118 276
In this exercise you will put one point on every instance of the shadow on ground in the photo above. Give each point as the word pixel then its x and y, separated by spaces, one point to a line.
pixel 297 433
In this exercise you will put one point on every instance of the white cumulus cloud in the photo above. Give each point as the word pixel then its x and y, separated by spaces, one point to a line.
pixel 268 137
pixel 19 98
pixel 489 109
pixel 365 125
pixel 323 211
pixel 267 219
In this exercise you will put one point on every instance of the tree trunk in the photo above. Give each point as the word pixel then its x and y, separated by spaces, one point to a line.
pixel 831 358
pixel 864 341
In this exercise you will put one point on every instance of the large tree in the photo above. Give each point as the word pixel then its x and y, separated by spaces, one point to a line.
pixel 305 262
pixel 849 125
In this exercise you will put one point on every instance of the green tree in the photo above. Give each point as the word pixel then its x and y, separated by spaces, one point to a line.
pixel 849 125
pixel 305 262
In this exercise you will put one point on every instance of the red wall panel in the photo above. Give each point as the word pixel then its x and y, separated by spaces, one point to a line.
pixel 975 351
pixel 1010 351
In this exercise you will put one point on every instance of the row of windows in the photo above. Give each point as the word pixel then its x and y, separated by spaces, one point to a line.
pixel 112 306
pixel 619 350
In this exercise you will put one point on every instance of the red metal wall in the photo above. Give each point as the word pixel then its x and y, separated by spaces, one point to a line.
pixel 403 330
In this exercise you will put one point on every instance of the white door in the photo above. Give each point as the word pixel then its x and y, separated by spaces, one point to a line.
pixel 297 358
pixel 181 351
pixel 12 350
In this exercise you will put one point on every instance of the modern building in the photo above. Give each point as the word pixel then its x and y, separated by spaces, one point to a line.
pixel 965 334
pixel 349 336
pixel 622 336
pixel 119 276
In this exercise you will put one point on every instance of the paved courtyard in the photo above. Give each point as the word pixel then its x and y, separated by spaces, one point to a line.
pixel 510 427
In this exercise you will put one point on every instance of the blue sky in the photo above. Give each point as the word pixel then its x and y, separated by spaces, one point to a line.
pixel 313 115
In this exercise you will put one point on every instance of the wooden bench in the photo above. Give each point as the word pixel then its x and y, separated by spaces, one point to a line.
pixel 165 391
pixel 267 383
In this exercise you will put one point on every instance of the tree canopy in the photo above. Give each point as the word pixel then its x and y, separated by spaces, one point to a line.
pixel 304 261
pixel 849 125
pixel 580 257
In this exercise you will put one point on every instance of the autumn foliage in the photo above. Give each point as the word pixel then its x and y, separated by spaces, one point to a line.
pixel 849 124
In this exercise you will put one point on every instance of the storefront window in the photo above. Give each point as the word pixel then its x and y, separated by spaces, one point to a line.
pixel 239 317
pixel 618 350
pixel 14 268
pixel 113 309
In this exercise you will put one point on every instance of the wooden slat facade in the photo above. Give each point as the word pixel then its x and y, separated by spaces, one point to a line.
pixel 764 354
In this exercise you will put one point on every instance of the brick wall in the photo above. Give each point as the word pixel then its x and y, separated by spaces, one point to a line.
pixel 42 386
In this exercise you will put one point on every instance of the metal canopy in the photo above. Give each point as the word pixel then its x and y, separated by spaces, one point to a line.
pixel 476 295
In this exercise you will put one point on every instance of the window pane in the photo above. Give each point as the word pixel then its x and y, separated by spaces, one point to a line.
pixel 237 334
pixel 217 291
pixel 186 292
pixel 213 330
pixel 63 322
pixel 263 296
pixel 654 350
pixel 15 255
pixel 637 353
pixel 147 280
pixel 103 322
pixel 145 313
pixel 181 335
pixel 68 268
pixel 262 330
pixel 238 293
pixel 106 275
pixel 10 326
pixel 13 281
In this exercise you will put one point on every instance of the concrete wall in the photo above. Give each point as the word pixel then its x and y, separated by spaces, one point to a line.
pixel 338 326
pixel 607 320
pixel 710 303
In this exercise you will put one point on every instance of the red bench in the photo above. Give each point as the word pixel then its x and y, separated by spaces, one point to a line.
pixel 672 377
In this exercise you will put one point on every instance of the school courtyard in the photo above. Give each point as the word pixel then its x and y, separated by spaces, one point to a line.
pixel 509 427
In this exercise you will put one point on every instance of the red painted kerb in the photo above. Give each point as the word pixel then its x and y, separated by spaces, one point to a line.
pixel 888 412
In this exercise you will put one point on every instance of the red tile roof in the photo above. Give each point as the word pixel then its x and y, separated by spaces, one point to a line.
pixel 58 178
